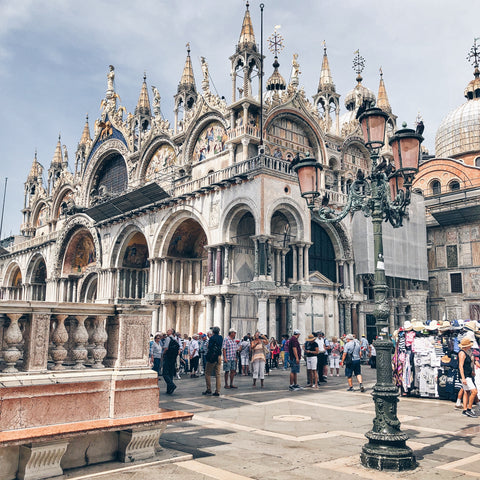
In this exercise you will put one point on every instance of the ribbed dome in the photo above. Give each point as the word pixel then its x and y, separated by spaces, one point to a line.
pixel 276 81
pixel 360 95
pixel 459 131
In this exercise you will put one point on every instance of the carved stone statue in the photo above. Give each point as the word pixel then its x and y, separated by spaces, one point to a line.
pixel 156 101
pixel 295 69
pixel 205 82
pixel 110 79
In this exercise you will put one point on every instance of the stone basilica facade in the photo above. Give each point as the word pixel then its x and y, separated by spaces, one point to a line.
pixel 201 221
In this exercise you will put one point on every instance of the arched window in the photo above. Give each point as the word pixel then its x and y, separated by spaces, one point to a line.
pixel 113 175
pixel 321 253
pixel 477 162
pixel 436 187
pixel 454 185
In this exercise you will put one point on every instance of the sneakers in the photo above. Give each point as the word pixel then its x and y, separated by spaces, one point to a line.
pixel 350 389
pixel 362 389
pixel 298 387
pixel 469 413
pixel 215 394
pixel 207 392
pixel 291 388
pixel 459 406
pixel 295 388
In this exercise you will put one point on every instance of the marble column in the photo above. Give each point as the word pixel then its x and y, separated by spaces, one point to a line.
pixel 283 316
pixel 301 275
pixel 227 321
pixel 262 313
pixel 192 323
pixel 295 264
pixel 209 312
pixel 180 286
pixel 164 316
pixel 218 267
pixel 218 312
pixel 301 316
pixel 306 265
pixel 272 317
pixel 164 288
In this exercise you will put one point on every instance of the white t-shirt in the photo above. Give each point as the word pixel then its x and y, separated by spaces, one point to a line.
pixel 193 347
pixel 321 345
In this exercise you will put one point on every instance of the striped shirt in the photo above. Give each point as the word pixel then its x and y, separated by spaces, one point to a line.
pixel 230 347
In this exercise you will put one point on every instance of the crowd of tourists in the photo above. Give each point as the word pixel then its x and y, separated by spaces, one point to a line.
pixel 206 354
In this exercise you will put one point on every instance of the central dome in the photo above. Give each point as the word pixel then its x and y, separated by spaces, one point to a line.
pixel 459 131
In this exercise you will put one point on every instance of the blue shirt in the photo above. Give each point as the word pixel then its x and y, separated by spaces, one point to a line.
pixel 353 347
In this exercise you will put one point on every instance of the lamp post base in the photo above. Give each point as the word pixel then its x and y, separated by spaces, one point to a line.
pixel 386 448
pixel 387 455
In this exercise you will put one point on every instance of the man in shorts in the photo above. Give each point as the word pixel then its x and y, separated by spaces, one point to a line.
pixel 311 352
pixel 230 348
pixel 294 355
pixel 352 346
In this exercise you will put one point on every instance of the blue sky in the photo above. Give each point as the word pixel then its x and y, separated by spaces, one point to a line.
pixel 54 57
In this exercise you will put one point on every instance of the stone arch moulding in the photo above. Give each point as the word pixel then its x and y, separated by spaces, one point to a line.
pixel 36 212
pixel 32 263
pixel 354 141
pixel 197 129
pixel 293 212
pixel 105 150
pixel 317 138
pixel 340 239
pixel 121 242
pixel 167 229
pixel 59 197
pixel 233 214
pixel 89 275
pixel 150 151
pixel 9 271
pixel 73 225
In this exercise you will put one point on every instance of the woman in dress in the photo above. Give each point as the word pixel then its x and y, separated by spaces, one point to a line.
pixel 258 358
pixel 245 355
pixel 334 357
pixel 274 352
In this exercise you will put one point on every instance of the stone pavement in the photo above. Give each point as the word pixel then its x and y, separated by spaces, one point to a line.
pixel 273 433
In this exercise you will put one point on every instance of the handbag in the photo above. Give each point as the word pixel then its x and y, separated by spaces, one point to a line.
pixel 348 359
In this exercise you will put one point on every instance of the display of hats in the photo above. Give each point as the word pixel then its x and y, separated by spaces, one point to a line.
pixel 433 325
pixel 407 326
pixel 417 326
pixel 445 325
pixel 471 325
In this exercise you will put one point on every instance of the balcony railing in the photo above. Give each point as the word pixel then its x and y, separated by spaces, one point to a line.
pixel 41 337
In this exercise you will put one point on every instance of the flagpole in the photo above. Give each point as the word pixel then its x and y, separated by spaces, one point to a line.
pixel 261 75
pixel 3 207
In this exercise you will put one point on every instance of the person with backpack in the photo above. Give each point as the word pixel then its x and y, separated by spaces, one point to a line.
pixel 171 351
pixel 214 361
pixel 351 362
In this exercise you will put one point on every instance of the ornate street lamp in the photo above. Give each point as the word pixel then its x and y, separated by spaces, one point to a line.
pixel 382 195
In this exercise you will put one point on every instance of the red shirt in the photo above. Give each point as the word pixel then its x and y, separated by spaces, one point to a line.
pixel 294 343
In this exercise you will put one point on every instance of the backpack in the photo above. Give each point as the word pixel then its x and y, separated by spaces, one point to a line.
pixel 214 351
pixel 172 350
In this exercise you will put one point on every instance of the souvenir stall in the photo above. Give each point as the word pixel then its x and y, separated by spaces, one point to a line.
pixel 425 363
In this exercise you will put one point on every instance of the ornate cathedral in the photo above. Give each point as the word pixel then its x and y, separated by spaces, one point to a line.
pixel 201 221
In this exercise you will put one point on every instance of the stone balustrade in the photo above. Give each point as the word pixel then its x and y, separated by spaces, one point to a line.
pixel 41 337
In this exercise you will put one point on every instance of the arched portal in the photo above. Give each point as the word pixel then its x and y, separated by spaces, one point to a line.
pixel 15 284
pixel 184 271
pixel 88 292
pixel 133 267
pixel 322 254
pixel 80 256
pixel 80 253
pixel 37 278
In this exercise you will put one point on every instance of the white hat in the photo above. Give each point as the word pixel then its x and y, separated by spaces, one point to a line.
pixel 296 332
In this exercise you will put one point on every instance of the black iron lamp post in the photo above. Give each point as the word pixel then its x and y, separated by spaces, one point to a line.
pixel 384 195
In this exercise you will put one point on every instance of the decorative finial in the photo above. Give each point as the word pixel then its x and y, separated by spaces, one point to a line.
pixel 404 125
pixel 474 55
pixel 275 42
pixel 188 48
pixel 381 72
pixel 86 117
pixel 59 136
pixel 144 76
pixel 358 64
pixel 247 5
pixel 324 43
